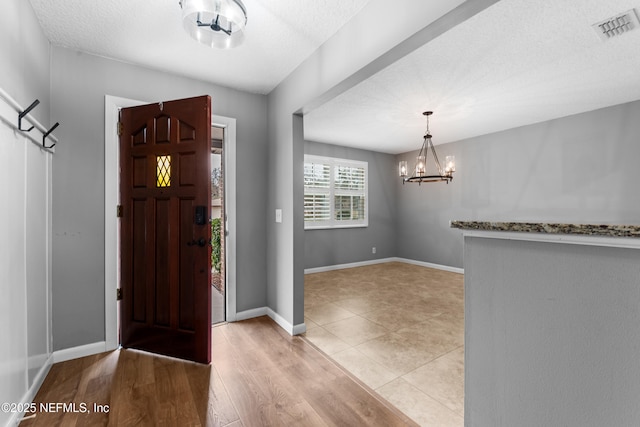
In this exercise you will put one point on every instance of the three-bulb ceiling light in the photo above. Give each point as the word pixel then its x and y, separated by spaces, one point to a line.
pixel 419 174
pixel 215 23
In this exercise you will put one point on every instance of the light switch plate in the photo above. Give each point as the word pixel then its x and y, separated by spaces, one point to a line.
pixel 278 215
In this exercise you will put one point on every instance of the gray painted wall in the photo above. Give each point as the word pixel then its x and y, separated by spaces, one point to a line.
pixel 24 58
pixel 581 168
pixel 79 83
pixel 551 334
pixel 355 52
pixel 347 245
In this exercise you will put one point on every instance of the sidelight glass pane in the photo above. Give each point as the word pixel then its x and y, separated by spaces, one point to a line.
pixel 163 171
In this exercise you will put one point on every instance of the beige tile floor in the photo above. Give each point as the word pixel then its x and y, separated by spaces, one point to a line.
pixel 397 327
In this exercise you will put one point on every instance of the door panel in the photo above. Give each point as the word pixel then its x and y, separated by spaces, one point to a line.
pixel 165 254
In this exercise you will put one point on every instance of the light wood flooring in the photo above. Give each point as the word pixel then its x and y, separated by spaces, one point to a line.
pixel 399 328
pixel 260 376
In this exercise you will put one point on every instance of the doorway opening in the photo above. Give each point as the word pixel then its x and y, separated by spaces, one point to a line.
pixel 218 216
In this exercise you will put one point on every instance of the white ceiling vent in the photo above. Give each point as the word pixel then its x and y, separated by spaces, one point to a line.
pixel 617 25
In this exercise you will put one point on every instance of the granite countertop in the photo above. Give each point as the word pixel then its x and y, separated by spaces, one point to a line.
pixel 606 230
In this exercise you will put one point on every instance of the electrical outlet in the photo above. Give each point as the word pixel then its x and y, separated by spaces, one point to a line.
pixel 373 250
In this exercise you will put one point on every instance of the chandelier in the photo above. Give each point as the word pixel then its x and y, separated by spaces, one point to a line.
pixel 215 23
pixel 420 174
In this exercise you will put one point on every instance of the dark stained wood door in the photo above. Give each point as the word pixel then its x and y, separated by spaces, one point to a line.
pixel 165 194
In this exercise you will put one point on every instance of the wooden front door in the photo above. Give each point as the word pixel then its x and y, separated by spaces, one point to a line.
pixel 165 193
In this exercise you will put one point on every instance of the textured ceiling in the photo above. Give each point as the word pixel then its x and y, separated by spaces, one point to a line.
pixel 516 63
pixel 279 36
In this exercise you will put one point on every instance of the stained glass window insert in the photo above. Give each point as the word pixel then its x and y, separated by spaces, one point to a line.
pixel 163 171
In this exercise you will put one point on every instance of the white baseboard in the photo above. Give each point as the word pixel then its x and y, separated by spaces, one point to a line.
pixel 28 397
pixel 80 351
pixel 381 261
pixel 250 314
pixel 100 347
pixel 37 360
pixel 349 265
pixel 266 311
pixel 300 328
pixel 431 265
pixel 291 329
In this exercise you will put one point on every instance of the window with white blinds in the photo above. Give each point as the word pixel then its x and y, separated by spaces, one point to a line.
pixel 335 192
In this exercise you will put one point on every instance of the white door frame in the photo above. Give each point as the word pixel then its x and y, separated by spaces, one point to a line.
pixel 112 106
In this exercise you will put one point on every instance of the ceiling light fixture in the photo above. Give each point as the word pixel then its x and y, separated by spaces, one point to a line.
pixel 215 23
pixel 420 170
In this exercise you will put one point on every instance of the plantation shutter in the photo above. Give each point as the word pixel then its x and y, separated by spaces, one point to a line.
pixel 317 189
pixel 335 192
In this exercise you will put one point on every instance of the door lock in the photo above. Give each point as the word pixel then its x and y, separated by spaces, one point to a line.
pixel 202 242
